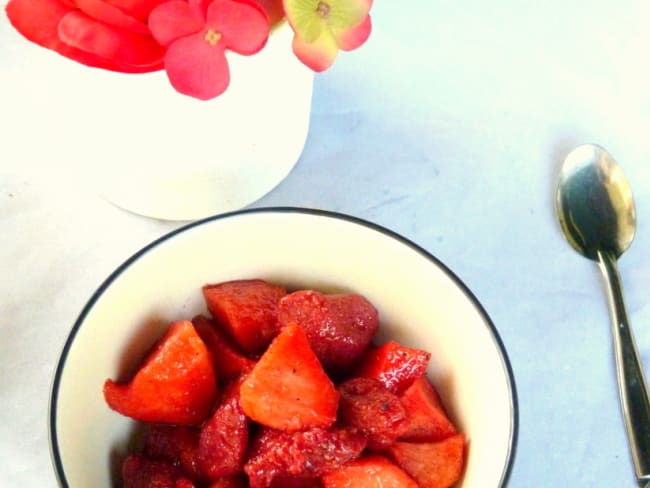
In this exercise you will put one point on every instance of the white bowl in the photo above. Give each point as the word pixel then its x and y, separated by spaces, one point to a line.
pixel 421 303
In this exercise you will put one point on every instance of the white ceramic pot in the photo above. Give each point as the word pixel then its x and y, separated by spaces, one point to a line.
pixel 146 147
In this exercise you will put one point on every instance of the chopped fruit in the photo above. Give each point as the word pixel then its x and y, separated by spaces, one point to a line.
pixel 369 472
pixel 426 420
pixel 142 472
pixel 279 421
pixel 288 389
pixel 307 454
pixel 175 384
pixel 184 483
pixel 434 464
pixel 224 438
pixel 395 365
pixel 228 362
pixel 296 482
pixel 230 482
pixel 177 444
pixel 368 406
pixel 248 309
pixel 339 327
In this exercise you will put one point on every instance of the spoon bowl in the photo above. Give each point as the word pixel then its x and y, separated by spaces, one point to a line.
pixel 595 204
pixel 596 211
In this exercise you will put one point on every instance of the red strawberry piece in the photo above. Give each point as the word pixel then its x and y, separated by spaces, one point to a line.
pixel 368 406
pixel 339 327
pixel 238 481
pixel 248 309
pixel 432 465
pixel 307 454
pixel 142 472
pixel 369 472
pixel 229 363
pixel 184 483
pixel 175 383
pixel 224 437
pixel 426 420
pixel 177 444
pixel 288 389
pixel 395 365
pixel 296 482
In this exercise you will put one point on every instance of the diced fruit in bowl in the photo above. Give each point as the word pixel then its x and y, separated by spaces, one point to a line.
pixel 175 384
pixel 339 327
pixel 247 309
pixel 288 389
pixel 280 390
pixel 432 464
pixel 369 472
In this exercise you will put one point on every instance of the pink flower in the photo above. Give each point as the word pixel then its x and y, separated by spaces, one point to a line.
pixel 322 27
pixel 93 32
pixel 196 39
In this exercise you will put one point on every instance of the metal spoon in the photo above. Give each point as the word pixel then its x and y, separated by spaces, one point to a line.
pixel 596 211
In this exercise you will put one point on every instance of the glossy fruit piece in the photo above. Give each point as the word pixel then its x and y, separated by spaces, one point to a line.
pixel 426 420
pixel 224 437
pixel 394 365
pixel 228 362
pixel 432 465
pixel 177 444
pixel 174 384
pixel 248 309
pixel 296 482
pixel 369 472
pixel 368 406
pixel 122 47
pixel 307 454
pixel 143 472
pixel 339 327
pixel 288 388
pixel 109 14
pixel 238 481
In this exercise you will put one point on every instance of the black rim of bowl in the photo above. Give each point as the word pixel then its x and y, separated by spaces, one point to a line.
pixel 514 428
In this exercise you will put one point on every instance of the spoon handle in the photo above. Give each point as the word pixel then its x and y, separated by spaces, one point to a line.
pixel 632 386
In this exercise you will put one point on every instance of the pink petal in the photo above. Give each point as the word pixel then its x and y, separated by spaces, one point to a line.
pixel 38 21
pixel 243 24
pixel 318 55
pixel 140 9
pixel 112 15
pixel 173 20
pixel 355 37
pixel 199 7
pixel 274 10
pixel 121 47
pixel 196 67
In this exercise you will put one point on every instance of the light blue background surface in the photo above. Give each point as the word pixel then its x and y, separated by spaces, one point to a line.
pixel 447 127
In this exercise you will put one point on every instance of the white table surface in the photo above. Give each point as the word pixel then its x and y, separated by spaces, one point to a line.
pixel 448 127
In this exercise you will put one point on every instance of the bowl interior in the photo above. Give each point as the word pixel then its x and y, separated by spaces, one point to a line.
pixel 420 302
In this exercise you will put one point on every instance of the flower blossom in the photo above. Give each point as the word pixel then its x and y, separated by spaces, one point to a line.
pixel 322 27
pixel 197 38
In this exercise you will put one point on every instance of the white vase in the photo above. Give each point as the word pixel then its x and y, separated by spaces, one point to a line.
pixel 145 147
